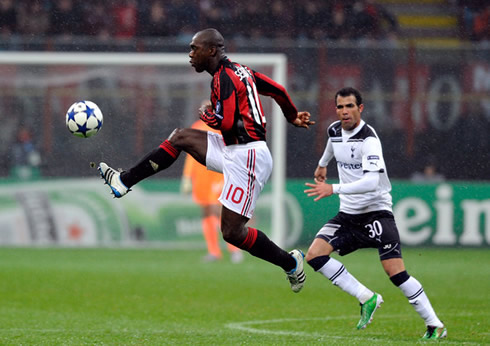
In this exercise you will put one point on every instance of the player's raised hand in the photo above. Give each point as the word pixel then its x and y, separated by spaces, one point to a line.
pixel 319 189
pixel 210 118
pixel 205 106
pixel 303 120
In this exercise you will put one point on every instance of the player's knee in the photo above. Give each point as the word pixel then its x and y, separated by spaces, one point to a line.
pixel 230 236
pixel 399 278
pixel 318 248
pixel 190 140
pixel 227 235
pixel 177 137
pixel 317 262
pixel 311 254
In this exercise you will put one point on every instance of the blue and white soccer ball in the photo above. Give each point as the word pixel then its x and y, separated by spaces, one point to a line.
pixel 84 119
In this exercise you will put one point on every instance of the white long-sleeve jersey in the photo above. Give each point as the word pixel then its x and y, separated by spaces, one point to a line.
pixel 364 185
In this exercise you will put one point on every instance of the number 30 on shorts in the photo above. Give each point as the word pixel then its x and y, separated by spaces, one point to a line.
pixel 375 229
pixel 236 194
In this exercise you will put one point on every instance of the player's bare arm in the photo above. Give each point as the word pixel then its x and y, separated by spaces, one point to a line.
pixel 319 189
pixel 303 120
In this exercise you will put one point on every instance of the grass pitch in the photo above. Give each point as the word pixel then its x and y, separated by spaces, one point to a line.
pixel 155 297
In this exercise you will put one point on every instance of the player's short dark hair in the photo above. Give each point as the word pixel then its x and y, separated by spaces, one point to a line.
pixel 212 37
pixel 347 91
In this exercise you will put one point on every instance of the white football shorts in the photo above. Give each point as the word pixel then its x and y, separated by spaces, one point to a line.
pixel 245 167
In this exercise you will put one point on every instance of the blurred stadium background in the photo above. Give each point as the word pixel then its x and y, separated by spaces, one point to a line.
pixel 423 67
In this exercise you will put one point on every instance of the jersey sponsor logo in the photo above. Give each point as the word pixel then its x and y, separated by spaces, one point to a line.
pixel 349 165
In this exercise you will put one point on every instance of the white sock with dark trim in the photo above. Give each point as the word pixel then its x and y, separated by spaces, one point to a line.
pixel 413 290
pixel 336 272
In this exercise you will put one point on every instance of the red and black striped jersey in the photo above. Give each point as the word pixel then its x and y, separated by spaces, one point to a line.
pixel 236 107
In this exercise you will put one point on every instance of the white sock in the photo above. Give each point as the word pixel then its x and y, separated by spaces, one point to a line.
pixel 413 290
pixel 336 272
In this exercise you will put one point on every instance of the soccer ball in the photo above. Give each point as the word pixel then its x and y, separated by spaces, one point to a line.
pixel 84 119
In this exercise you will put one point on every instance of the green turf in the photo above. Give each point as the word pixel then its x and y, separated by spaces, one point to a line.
pixel 155 297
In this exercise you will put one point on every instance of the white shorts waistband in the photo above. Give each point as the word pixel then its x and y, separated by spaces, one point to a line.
pixel 250 145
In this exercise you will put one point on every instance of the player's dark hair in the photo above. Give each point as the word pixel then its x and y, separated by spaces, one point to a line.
pixel 347 91
pixel 213 37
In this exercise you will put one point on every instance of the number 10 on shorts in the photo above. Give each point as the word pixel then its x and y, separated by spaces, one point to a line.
pixel 236 194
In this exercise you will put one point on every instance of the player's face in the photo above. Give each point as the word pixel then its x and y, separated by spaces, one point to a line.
pixel 349 112
pixel 199 54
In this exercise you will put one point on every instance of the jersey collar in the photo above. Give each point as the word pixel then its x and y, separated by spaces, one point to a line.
pixel 355 131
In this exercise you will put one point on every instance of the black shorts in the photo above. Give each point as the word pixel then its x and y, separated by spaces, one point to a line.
pixel 349 232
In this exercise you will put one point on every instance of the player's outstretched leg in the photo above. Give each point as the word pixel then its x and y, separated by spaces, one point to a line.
pixel 297 276
pixel 192 141
pixel 113 179
pixel 368 309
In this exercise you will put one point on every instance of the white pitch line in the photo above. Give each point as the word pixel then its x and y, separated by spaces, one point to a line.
pixel 247 326
pixel 243 326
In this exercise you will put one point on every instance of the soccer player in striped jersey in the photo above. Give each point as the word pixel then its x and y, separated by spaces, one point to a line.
pixel 365 218
pixel 239 151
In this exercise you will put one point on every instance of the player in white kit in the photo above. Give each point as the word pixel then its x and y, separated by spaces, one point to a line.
pixel 365 218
